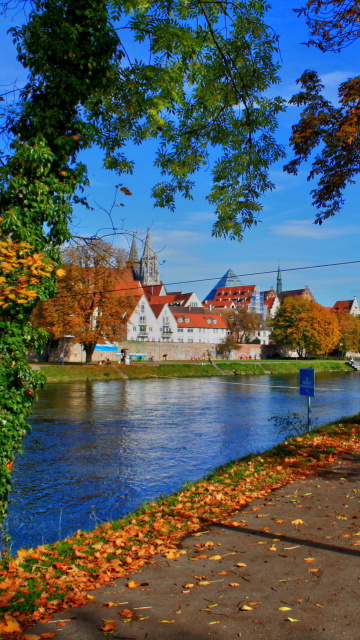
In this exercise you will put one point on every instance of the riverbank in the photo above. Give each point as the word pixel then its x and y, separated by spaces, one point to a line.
pixel 72 372
pixel 38 582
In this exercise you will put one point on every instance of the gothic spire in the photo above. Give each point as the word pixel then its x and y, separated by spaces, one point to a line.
pixel 134 261
pixel 279 282
pixel 149 266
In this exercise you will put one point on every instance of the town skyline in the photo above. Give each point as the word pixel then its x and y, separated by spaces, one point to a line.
pixel 285 235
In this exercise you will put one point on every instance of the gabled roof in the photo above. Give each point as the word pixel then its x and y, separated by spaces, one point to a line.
pixel 157 308
pixel 229 279
pixel 197 320
pixel 343 305
pixel 153 290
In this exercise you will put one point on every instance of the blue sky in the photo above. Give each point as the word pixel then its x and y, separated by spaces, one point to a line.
pixel 286 234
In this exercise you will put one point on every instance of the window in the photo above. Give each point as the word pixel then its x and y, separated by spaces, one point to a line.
pixel 180 330
pixel 180 340
pixel 190 340
pixel 187 319
pixel 190 330
pixel 142 319
pixel 142 308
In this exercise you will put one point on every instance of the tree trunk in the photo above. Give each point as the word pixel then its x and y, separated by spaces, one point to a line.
pixel 89 350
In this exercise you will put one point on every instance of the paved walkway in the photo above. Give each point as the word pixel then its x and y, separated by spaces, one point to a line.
pixel 287 568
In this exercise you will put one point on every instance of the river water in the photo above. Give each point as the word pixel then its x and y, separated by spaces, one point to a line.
pixel 98 450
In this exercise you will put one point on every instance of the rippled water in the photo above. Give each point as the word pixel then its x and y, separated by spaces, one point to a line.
pixel 99 449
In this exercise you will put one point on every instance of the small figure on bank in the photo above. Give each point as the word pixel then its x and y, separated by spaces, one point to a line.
pixel 127 359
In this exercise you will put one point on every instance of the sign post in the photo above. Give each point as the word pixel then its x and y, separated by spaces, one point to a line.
pixel 307 388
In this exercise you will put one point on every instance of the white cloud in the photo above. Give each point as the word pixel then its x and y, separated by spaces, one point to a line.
pixel 305 229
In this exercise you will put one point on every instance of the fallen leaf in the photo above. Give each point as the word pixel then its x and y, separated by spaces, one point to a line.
pixel 109 625
pixel 172 554
pixel 292 619
pixel 10 625
pixel 234 584
pixel 188 585
pixel 223 573
pixel 215 622
pixel 253 604
pixel 284 608
pixel 132 584
pixel 167 621
pixel 297 522
pixel 246 608
pixel 309 560
pixel 30 636
pixel 272 548
pixel 240 564
pixel 314 570
pixel 203 583
pixel 215 558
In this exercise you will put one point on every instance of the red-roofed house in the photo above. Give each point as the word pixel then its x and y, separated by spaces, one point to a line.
pixel 198 327
pixel 349 306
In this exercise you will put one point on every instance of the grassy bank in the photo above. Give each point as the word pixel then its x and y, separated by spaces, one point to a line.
pixel 68 373
pixel 38 582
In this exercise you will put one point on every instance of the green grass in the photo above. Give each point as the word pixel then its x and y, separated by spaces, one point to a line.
pixel 72 372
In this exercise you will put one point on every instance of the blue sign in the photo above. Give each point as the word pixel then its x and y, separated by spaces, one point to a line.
pixel 307 382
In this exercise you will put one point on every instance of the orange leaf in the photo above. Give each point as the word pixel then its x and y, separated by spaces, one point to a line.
pixel 9 625
pixel 132 584
pixel 109 625
pixel 297 522
pixel 234 584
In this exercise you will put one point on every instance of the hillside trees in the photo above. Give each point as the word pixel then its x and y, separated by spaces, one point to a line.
pixel 92 303
pixel 331 130
pixel 305 326
pixel 201 85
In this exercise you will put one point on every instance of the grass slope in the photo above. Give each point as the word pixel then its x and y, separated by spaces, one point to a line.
pixel 68 373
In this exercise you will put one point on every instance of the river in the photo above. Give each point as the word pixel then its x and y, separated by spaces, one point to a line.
pixel 98 450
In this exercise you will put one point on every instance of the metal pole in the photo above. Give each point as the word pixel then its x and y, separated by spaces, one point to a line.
pixel 309 413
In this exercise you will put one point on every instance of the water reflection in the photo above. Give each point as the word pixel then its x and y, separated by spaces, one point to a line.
pixel 99 449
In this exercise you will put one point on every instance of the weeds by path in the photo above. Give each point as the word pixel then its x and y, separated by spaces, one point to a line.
pixel 50 578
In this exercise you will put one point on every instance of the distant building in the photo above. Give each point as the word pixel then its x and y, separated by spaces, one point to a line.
pixel 349 306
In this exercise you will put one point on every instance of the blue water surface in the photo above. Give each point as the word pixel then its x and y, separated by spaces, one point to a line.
pixel 98 449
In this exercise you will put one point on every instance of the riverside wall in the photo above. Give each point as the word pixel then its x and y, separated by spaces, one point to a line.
pixel 67 351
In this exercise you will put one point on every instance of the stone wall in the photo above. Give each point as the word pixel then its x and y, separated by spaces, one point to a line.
pixel 68 351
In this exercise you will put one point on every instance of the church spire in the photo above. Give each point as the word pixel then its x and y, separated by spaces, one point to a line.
pixel 134 261
pixel 149 266
pixel 279 282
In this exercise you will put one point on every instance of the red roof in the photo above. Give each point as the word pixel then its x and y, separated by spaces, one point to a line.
pixel 342 305
pixel 153 290
pixel 239 294
pixel 198 320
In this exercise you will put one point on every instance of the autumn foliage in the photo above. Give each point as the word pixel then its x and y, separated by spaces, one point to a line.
pixel 92 303
pixel 305 326
pixel 22 272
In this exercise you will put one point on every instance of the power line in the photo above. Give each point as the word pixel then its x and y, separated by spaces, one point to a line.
pixel 240 275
